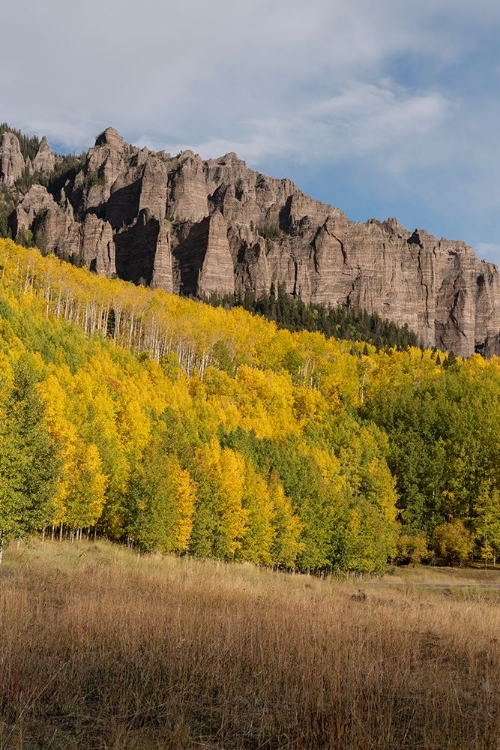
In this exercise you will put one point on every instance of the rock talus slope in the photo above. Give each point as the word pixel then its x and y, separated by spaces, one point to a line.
pixel 200 227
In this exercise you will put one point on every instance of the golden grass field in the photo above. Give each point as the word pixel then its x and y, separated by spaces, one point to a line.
pixel 100 648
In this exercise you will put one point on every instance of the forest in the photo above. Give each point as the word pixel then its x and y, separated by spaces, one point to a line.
pixel 174 426
pixel 341 322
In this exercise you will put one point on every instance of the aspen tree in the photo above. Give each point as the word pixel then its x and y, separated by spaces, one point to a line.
pixel 220 519
pixel 257 540
pixel 287 545
pixel 185 491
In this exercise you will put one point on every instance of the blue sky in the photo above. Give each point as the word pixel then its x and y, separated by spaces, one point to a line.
pixel 387 108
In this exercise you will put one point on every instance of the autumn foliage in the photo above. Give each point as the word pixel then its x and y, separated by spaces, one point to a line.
pixel 182 428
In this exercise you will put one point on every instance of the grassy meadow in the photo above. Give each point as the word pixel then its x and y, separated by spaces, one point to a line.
pixel 101 648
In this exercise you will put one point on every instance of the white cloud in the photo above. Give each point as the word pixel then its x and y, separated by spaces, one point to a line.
pixel 379 117
pixel 489 251
pixel 361 119
pixel 400 90
pixel 165 68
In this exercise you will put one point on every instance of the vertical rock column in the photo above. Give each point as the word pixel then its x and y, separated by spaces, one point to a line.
pixel 11 159
pixel 162 268
pixel 217 271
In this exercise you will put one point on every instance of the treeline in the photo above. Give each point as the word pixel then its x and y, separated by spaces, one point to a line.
pixel 175 426
pixel 29 144
pixel 341 322
pixel 66 168
pixel 6 208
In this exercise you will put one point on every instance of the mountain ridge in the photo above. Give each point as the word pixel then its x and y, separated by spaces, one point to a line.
pixel 198 227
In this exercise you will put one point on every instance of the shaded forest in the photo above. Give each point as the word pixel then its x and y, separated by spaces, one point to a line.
pixel 341 322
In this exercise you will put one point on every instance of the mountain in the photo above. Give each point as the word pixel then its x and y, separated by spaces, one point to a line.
pixel 199 227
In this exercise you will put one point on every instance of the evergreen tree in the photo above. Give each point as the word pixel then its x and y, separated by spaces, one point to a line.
pixel 29 460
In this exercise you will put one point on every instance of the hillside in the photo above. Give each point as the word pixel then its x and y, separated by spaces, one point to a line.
pixel 197 227
pixel 178 427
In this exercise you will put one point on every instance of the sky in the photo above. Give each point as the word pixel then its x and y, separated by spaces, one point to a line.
pixel 383 108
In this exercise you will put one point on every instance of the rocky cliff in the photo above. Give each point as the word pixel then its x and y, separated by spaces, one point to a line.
pixel 196 227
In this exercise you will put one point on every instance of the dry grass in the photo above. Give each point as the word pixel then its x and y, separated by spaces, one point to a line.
pixel 435 575
pixel 101 649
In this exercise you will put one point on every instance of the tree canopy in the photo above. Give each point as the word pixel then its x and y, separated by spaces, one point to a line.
pixel 184 428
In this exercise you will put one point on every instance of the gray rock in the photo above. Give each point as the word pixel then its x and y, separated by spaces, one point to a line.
pixel 44 161
pixel 196 227
pixel 97 247
pixel 11 159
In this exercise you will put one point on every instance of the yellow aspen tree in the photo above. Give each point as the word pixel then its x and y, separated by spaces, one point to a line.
pixel 81 493
pixel 231 481
pixel 185 492
pixel 252 384
pixel 220 519
pixel 64 433
pixel 266 402
pixel 92 408
pixel 259 534
pixel 220 392
pixel 287 545
pixel 85 491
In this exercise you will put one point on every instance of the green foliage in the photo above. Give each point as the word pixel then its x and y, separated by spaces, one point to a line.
pixel 152 509
pixel 92 179
pixel 66 168
pixel 25 238
pixel 27 179
pixel 185 428
pixel 6 209
pixel 444 439
pixel 223 358
pixel 75 259
pixel 62 345
pixel 29 460
pixel 342 323
pixel 412 548
pixel 344 500
pixel 270 232
pixel 487 522
pixel 418 455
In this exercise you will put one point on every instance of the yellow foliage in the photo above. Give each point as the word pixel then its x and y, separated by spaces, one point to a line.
pixel 259 533
pixel 265 400
pixel 288 527
pixel 185 491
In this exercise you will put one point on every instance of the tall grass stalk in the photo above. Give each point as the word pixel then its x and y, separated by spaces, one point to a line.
pixel 101 649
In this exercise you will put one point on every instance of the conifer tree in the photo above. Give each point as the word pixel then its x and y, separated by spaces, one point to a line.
pixel 29 460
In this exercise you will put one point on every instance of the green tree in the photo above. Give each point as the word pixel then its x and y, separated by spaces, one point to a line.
pixel 286 545
pixel 151 500
pixel 29 460
pixel 411 548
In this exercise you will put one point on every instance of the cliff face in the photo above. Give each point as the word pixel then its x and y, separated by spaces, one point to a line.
pixel 11 159
pixel 196 227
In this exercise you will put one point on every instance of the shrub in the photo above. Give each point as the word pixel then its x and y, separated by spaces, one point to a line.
pixel 452 542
